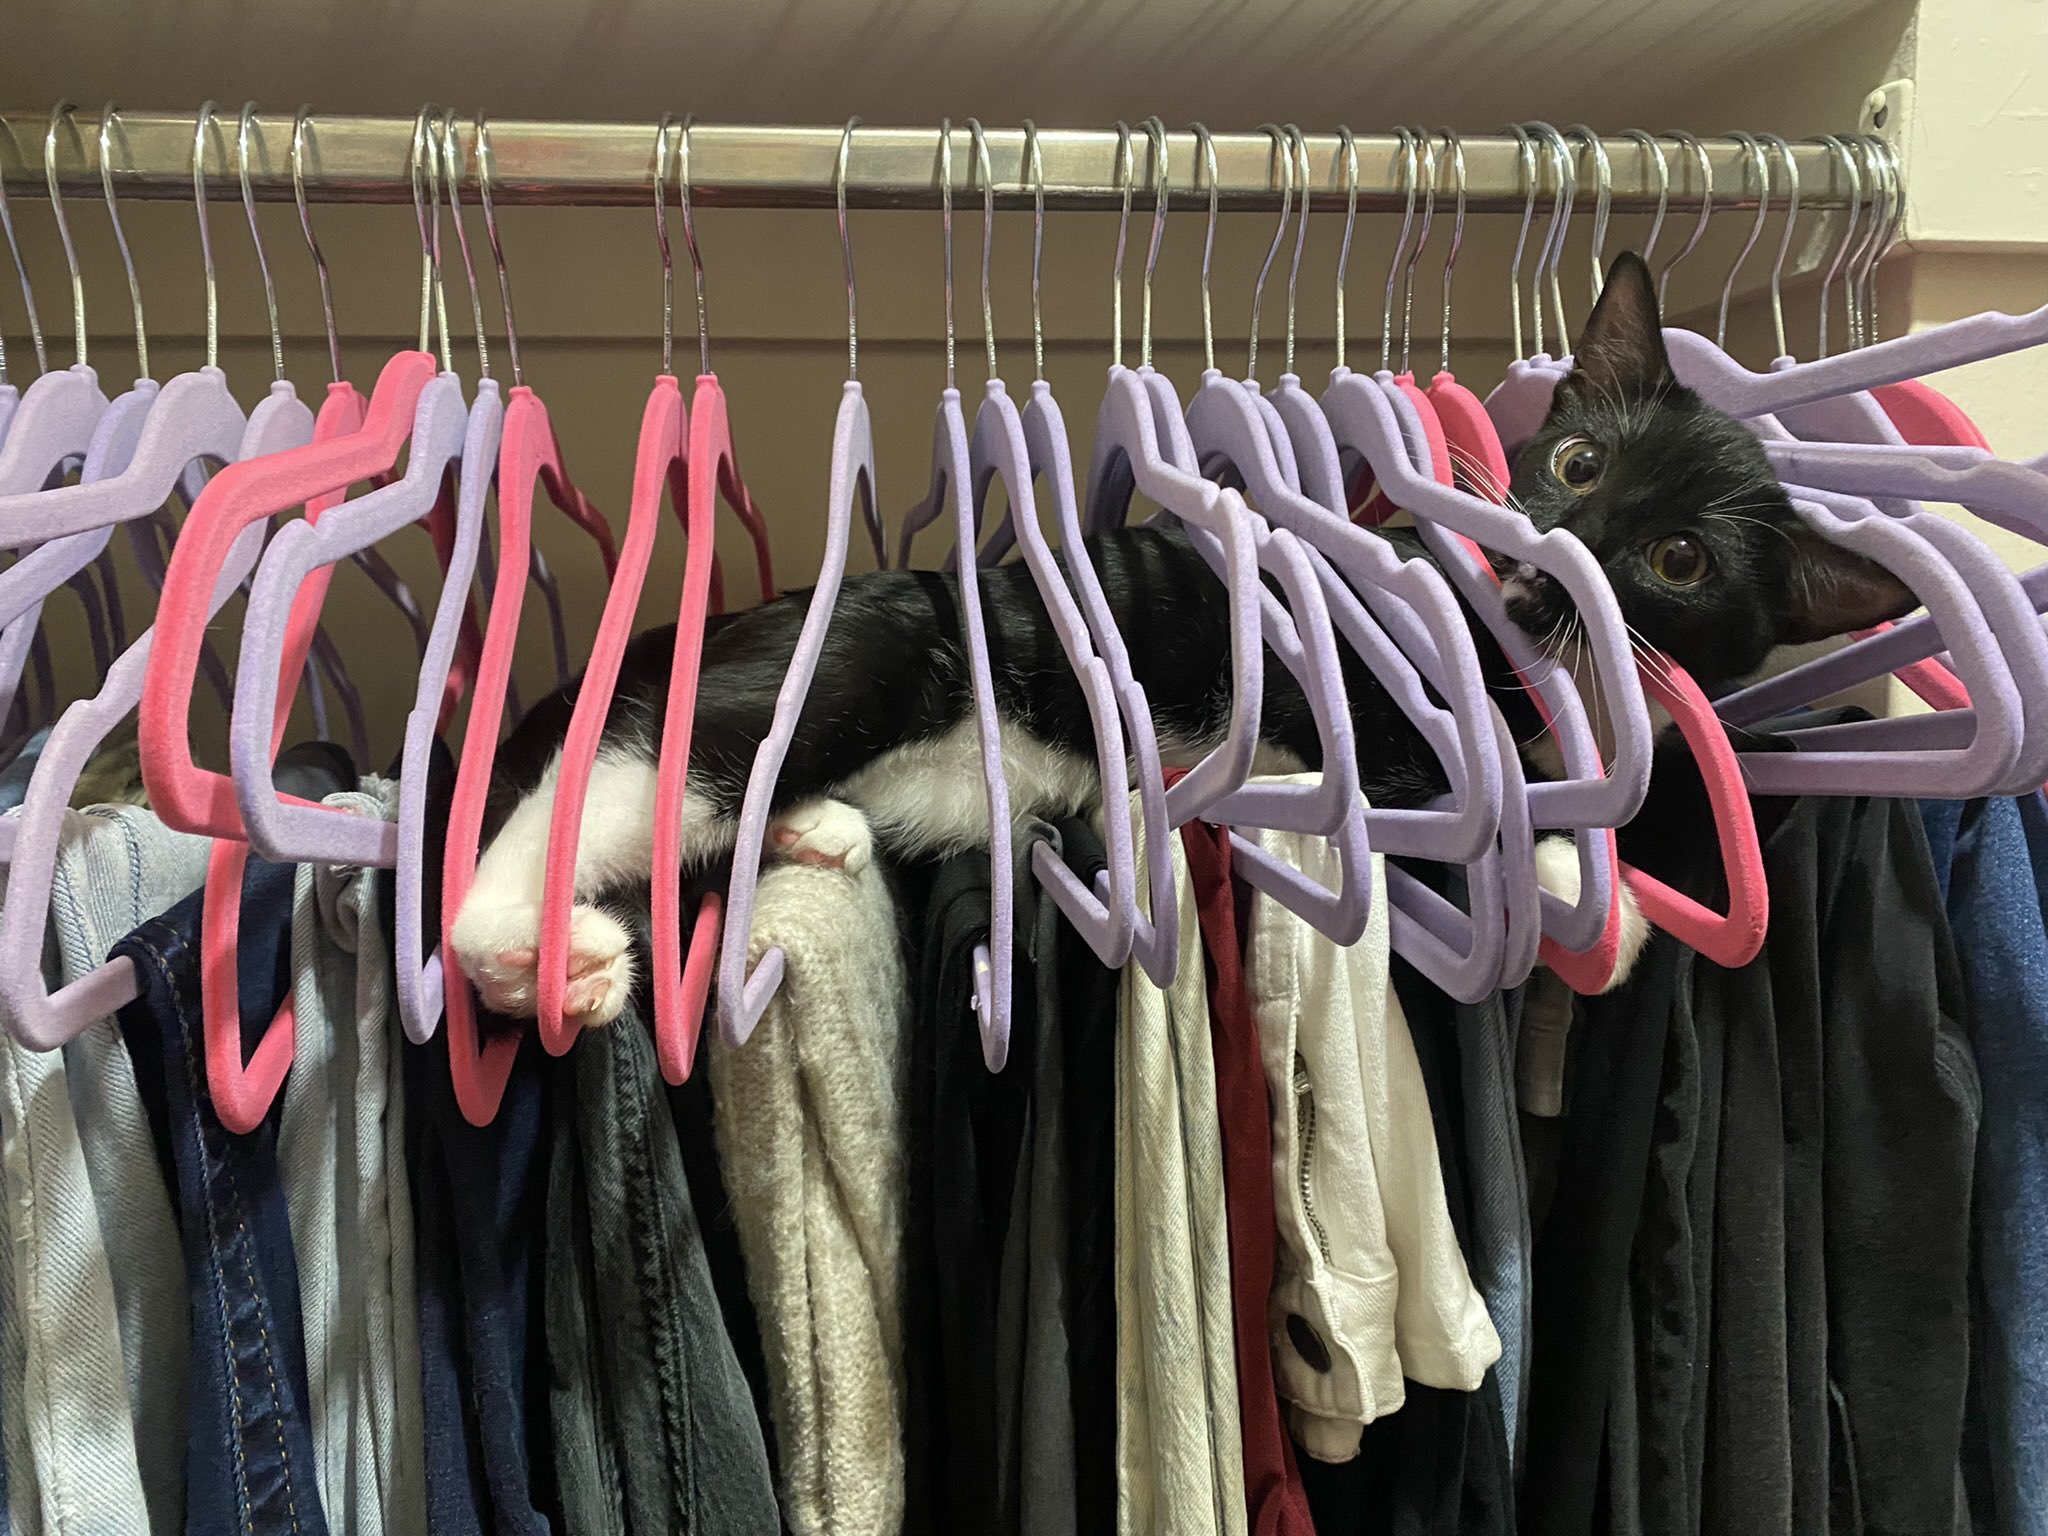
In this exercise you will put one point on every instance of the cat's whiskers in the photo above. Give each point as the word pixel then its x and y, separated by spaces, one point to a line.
pixel 1733 518
pixel 1481 478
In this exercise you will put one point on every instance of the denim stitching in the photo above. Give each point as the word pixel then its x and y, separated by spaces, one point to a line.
pixel 218 1283
pixel 32 1249
pixel 657 1282
pixel 246 1249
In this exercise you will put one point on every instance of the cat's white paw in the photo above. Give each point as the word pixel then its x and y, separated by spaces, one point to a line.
pixel 600 968
pixel 828 833
pixel 498 948
pixel 1557 871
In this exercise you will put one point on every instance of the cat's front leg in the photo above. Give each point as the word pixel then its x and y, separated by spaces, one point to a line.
pixel 497 933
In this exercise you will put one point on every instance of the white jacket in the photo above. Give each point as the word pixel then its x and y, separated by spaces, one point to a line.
pixel 1369 1283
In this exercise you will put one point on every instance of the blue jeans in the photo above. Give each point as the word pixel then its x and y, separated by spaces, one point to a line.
pixel 249 1449
pixel 478 1205
pixel 1992 859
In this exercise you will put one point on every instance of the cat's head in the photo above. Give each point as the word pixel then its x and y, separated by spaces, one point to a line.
pixel 1709 562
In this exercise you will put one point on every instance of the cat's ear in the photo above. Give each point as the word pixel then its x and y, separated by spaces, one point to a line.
pixel 1835 590
pixel 1620 353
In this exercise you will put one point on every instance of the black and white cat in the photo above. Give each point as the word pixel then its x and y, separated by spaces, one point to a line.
pixel 1707 559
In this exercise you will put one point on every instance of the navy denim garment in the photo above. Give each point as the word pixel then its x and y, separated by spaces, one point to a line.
pixel 478 1200
pixel 1991 857
pixel 478 1203
pixel 249 1454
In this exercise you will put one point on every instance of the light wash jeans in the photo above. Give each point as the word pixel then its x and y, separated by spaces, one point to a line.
pixel 93 1337
pixel 341 1154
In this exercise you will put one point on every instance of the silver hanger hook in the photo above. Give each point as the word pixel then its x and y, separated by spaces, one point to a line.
pixel 417 170
pixel 28 294
pixel 451 160
pixel 1297 146
pixel 1847 162
pixel 1350 146
pixel 242 126
pixel 1754 161
pixel 1155 130
pixel 1527 178
pixel 1208 148
pixel 300 122
pixel 1784 153
pixel 1272 131
pixel 61 112
pixel 1603 198
pixel 1550 256
pixel 1126 172
pixel 1456 147
pixel 846 244
pixel 1036 161
pixel 1866 239
pixel 1649 145
pixel 1852 298
pixel 1409 164
pixel 946 230
pixel 979 141
pixel 1427 141
pixel 668 268
pixel 1894 220
pixel 483 193
pixel 109 121
pixel 690 242
pixel 207 113
pixel 1863 265
pixel 427 211
pixel 1704 163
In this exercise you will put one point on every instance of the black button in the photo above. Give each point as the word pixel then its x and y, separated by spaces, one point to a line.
pixel 1308 1343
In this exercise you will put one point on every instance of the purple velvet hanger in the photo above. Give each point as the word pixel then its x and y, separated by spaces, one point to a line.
pixel 1373 418
pixel 743 992
pixel 29 841
pixel 1107 917
pixel 416 955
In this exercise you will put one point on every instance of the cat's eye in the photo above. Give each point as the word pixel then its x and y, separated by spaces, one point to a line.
pixel 1577 462
pixel 1681 560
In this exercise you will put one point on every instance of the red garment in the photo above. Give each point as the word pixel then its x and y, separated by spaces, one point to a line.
pixel 1273 1492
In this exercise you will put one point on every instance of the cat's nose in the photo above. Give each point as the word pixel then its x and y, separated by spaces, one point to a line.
pixel 1536 601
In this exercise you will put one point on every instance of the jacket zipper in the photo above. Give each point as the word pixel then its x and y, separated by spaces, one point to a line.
pixel 1305 1116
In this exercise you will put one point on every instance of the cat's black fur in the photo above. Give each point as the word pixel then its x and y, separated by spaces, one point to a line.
pixel 892 670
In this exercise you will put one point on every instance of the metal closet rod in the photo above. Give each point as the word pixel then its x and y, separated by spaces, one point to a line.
pixel 366 160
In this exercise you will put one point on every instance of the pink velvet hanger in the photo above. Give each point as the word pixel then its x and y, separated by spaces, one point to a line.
pixel 529 457
pixel 671 440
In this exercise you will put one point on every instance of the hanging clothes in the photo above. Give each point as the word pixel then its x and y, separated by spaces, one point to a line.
pixel 1088 1027
pixel 654 1425
pixel 969 1130
pixel 479 1208
pixel 1440 1465
pixel 1745 1151
pixel 1991 858
pixel 94 1338
pixel 812 1132
pixel 1276 1504
pixel 1180 1453
pixel 249 1456
pixel 341 1153
pixel 1370 1284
